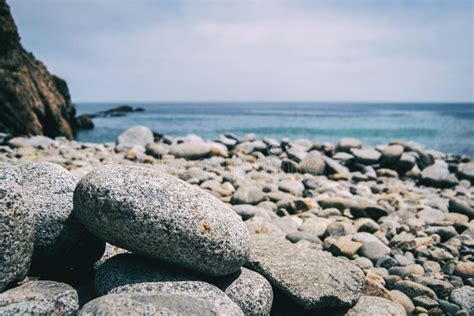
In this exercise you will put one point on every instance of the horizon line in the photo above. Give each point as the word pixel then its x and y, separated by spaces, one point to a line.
pixel 272 101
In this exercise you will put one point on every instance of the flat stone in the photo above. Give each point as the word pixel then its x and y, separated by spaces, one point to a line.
pixel 160 216
pixel 367 156
pixel 461 207
pixel 40 298
pixel 346 144
pixel 392 153
pixel 165 304
pixel 466 171
pixel 437 175
pixel 192 149
pixel 312 278
pixel 17 228
pixel 293 187
pixel 251 291
pixel 372 305
pixel 248 195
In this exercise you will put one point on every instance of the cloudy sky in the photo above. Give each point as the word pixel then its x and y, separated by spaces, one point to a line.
pixel 149 50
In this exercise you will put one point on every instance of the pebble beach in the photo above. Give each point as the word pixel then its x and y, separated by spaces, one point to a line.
pixel 236 225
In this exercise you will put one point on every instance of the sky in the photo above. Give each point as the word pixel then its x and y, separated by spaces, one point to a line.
pixel 249 50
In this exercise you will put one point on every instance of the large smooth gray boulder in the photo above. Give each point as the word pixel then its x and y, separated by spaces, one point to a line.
pixel 40 298
pixel 166 304
pixel 61 244
pixel 160 216
pixel 16 228
pixel 310 277
pixel 251 291
pixel 372 305
pixel 134 136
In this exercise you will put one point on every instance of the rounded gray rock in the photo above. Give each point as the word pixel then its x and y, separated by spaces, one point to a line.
pixel 127 269
pixel 372 305
pixel 251 291
pixel 137 135
pixel 160 216
pixel 40 297
pixel 171 304
pixel 464 298
pixel 61 242
pixel 16 228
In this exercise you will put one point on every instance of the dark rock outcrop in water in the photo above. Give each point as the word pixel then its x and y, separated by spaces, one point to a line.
pixel 84 121
pixel 32 101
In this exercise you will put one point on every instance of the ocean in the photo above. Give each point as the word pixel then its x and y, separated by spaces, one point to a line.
pixel 448 127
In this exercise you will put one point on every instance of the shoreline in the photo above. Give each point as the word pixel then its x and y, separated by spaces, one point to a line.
pixel 399 217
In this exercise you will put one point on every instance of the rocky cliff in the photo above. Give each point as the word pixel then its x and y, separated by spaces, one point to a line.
pixel 32 101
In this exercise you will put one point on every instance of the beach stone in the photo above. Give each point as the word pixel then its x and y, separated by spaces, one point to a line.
pixel 402 299
pixel 392 153
pixel 313 163
pixel 124 270
pixel 466 171
pixel 40 298
pixel 156 150
pixel 16 228
pixel 251 291
pixel 292 186
pixel 246 211
pixel 191 149
pixel 289 166
pixel 312 278
pixel 166 304
pixel 464 298
pixel 465 270
pixel 346 144
pixel 406 162
pixel 334 167
pixel 248 195
pixel 137 135
pixel 366 156
pixel 372 305
pixel 413 289
pixel 437 175
pixel 461 207
pixel 61 243
pixel 157 215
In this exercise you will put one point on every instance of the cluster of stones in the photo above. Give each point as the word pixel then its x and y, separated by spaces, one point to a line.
pixel 219 227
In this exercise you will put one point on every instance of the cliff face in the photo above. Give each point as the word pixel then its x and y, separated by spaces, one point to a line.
pixel 32 101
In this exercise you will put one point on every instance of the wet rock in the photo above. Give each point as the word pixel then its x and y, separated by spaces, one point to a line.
pixel 160 216
pixel 312 278
pixel 40 298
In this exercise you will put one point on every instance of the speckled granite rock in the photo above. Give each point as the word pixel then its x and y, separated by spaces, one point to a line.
pixel 40 297
pixel 175 304
pixel 126 269
pixel 312 278
pixel 464 298
pixel 372 305
pixel 251 291
pixel 61 241
pixel 160 216
pixel 16 228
